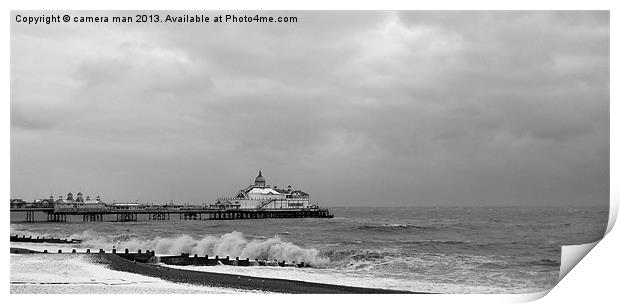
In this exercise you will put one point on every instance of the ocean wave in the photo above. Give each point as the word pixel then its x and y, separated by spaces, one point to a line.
pixel 493 266
pixel 519 264
pixel 545 262
pixel 233 244
pixel 348 255
pixel 442 242
pixel 393 227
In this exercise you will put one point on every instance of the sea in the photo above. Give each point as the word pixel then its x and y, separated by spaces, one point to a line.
pixel 422 249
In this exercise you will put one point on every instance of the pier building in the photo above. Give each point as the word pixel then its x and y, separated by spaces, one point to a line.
pixel 261 195
pixel 79 203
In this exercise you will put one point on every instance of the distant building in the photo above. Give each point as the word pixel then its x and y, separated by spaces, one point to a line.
pixel 47 202
pixel 126 206
pixel 79 203
pixel 260 195
pixel 18 203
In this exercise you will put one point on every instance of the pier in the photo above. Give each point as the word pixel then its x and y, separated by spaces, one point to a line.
pixel 162 213
pixel 257 201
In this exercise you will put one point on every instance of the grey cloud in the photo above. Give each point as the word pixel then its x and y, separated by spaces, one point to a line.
pixel 34 120
pixel 356 107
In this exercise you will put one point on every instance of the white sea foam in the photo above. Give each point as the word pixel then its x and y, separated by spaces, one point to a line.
pixel 66 273
pixel 233 244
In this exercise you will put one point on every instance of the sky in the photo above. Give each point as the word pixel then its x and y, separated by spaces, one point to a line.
pixel 357 108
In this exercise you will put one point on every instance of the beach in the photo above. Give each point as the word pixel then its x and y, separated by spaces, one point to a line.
pixel 230 280
pixel 180 280
pixel 72 273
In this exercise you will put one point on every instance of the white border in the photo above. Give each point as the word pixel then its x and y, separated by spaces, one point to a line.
pixel 594 278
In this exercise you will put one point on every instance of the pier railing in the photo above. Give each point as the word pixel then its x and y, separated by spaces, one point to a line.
pixel 196 213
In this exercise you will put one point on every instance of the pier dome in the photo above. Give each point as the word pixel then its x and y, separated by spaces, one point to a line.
pixel 260 180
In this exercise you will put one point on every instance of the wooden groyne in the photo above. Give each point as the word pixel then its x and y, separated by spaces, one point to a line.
pixel 180 260
pixel 142 257
pixel 185 259
pixel 137 256
pixel 30 239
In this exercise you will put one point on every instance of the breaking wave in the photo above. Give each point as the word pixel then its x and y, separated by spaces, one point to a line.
pixel 355 255
pixel 233 244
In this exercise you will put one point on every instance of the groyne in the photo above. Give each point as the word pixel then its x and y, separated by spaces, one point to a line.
pixel 184 259
pixel 30 239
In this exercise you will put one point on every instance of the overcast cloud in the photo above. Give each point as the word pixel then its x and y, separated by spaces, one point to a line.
pixel 357 108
